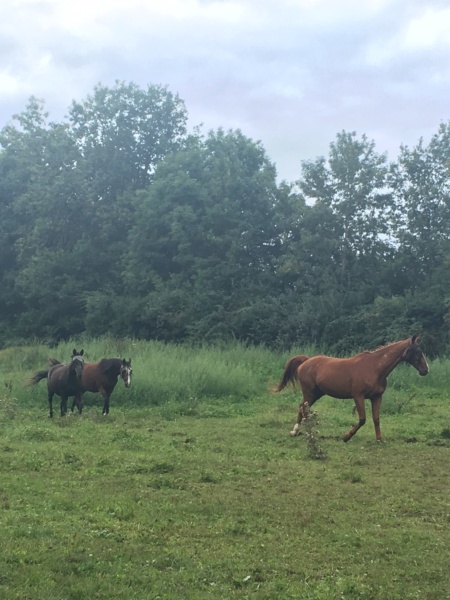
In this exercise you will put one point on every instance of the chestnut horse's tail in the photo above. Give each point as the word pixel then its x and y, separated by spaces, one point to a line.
pixel 290 371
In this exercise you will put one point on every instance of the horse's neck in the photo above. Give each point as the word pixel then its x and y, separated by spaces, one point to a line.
pixel 389 357
pixel 112 366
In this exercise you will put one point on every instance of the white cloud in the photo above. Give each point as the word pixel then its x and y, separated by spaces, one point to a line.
pixel 429 31
pixel 425 33
pixel 291 73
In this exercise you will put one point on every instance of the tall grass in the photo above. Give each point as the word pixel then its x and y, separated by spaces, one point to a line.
pixel 168 373
pixel 162 373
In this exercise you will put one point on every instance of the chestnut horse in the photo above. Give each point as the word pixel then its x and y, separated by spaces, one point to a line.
pixel 62 380
pixel 360 377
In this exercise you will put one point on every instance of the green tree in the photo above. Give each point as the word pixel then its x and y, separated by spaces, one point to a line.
pixel 42 208
pixel 421 183
pixel 124 131
pixel 352 182
pixel 201 252
pixel 337 249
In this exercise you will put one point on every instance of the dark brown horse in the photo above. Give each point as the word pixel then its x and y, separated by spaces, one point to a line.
pixel 62 380
pixel 360 377
pixel 102 377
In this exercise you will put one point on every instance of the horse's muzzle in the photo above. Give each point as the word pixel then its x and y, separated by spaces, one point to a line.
pixel 423 372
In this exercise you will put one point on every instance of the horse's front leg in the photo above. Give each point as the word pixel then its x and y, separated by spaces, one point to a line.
pixel 360 407
pixel 63 405
pixel 376 404
pixel 78 402
pixel 105 395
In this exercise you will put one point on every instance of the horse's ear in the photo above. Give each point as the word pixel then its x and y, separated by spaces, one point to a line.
pixel 415 340
pixel 130 361
pixel 123 361
pixel 74 352
pixel 81 352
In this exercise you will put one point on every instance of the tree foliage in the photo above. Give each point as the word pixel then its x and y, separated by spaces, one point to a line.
pixel 121 222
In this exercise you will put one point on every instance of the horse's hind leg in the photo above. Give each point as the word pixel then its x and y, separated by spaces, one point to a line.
pixel 359 403
pixel 50 403
pixel 105 395
pixel 308 398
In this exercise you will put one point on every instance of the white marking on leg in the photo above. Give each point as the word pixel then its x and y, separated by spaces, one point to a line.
pixel 294 432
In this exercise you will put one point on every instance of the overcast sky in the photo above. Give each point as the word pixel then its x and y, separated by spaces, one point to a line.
pixel 291 73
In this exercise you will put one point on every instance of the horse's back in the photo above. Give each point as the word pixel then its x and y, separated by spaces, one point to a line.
pixel 97 376
pixel 91 378
pixel 57 376
pixel 315 363
pixel 332 376
pixel 59 381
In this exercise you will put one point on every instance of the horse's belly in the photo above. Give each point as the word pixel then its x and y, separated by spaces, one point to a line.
pixel 336 392
pixel 336 387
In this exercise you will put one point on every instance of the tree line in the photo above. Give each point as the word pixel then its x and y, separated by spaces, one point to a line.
pixel 120 221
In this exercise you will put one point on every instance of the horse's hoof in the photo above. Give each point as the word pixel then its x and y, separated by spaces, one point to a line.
pixel 293 433
pixel 345 438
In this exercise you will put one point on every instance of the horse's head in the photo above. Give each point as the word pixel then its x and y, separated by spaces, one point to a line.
pixel 415 357
pixel 77 363
pixel 126 371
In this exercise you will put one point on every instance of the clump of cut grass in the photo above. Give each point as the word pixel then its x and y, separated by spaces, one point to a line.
pixel 311 428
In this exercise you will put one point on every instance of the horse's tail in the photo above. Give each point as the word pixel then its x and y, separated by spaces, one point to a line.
pixel 42 374
pixel 37 377
pixel 290 371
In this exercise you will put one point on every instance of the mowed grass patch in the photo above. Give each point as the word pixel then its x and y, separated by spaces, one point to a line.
pixel 140 506
pixel 209 497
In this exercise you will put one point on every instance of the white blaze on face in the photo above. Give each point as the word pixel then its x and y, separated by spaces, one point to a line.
pixel 126 376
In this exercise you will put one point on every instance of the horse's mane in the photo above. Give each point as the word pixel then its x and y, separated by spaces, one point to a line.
pixel 381 347
pixel 109 364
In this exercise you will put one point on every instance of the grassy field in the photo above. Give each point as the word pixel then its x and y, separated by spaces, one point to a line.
pixel 192 488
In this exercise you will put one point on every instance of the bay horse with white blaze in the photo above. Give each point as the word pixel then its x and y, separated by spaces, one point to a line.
pixel 62 380
pixel 102 377
pixel 360 377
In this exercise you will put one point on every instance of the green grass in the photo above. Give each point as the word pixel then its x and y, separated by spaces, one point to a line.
pixel 192 488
